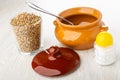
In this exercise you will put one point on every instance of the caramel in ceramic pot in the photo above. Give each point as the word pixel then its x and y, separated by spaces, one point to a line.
pixel 87 24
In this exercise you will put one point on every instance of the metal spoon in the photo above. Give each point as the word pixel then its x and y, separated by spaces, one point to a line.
pixel 44 11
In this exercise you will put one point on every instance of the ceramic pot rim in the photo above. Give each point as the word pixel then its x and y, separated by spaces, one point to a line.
pixel 80 26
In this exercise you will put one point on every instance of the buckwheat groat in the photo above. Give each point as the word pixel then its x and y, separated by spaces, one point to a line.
pixel 27 30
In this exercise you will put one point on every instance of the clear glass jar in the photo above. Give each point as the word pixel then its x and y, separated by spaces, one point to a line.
pixel 28 37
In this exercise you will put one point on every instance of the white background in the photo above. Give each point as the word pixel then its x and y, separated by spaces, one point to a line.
pixel 14 66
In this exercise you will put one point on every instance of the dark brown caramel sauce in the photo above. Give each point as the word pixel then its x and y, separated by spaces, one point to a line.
pixel 55 61
pixel 80 19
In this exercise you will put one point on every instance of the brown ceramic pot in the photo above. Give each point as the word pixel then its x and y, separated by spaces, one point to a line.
pixel 79 36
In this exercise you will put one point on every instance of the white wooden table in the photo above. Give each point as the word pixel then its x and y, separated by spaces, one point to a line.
pixel 15 66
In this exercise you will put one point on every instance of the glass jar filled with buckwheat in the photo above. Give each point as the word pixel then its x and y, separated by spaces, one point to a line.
pixel 27 29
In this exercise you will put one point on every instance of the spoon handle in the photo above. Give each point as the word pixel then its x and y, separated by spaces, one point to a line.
pixel 44 11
